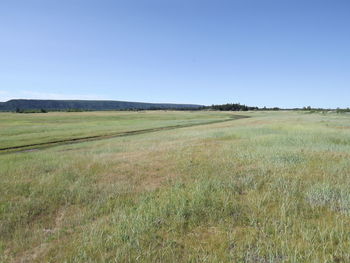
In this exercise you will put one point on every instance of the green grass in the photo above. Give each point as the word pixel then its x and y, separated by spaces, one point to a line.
pixel 270 188
pixel 24 129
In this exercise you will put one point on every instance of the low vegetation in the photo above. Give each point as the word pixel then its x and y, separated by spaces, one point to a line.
pixel 25 129
pixel 270 188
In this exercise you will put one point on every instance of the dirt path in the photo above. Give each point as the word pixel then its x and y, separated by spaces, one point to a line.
pixel 37 146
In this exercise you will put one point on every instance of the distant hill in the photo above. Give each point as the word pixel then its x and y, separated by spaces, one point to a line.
pixel 95 105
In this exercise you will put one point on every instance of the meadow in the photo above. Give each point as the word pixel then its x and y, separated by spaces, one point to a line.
pixel 33 128
pixel 273 187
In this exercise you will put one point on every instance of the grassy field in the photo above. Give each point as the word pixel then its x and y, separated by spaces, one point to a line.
pixel 271 188
pixel 23 129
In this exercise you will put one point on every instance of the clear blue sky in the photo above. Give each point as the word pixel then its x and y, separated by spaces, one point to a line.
pixel 286 53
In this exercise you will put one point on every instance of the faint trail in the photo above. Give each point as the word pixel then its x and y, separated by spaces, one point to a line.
pixel 37 146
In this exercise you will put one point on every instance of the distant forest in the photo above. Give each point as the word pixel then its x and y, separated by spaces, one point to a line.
pixel 24 106
pixel 231 107
pixel 242 107
pixel 42 106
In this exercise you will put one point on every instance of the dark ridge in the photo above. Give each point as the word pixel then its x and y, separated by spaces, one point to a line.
pixel 87 105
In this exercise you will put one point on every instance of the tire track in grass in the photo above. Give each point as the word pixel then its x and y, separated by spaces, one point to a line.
pixel 42 145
